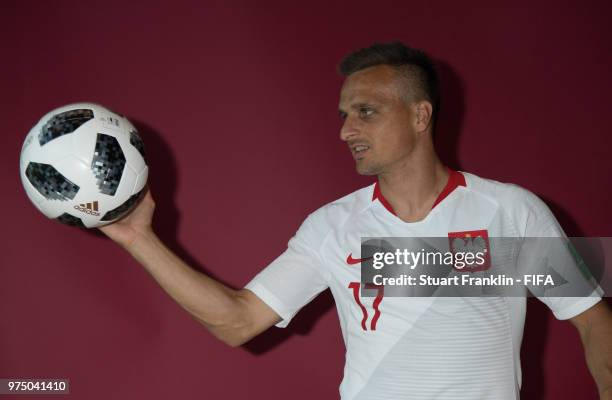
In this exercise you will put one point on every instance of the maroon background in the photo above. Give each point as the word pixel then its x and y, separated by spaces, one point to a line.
pixel 237 107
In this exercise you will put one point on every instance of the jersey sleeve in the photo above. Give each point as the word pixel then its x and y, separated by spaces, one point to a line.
pixel 550 245
pixel 295 277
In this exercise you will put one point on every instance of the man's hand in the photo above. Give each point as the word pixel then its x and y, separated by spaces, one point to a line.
pixel 136 224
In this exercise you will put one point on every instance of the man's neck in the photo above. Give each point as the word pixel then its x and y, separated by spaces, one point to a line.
pixel 412 188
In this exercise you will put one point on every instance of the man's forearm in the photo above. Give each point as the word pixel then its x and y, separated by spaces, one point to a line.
pixel 598 349
pixel 597 341
pixel 215 305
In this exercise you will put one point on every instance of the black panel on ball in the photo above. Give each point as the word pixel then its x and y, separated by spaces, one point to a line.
pixel 137 142
pixel 71 220
pixel 50 183
pixel 123 209
pixel 108 163
pixel 63 124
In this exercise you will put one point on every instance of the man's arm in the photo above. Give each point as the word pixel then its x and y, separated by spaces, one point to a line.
pixel 233 316
pixel 595 328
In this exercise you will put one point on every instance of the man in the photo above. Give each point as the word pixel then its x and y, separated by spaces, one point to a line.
pixel 408 348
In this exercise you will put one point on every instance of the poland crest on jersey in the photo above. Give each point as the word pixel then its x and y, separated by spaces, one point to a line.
pixel 471 242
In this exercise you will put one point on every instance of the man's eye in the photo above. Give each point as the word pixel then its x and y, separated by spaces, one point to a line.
pixel 342 115
pixel 366 112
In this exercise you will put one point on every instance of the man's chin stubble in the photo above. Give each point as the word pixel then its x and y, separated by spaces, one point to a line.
pixel 367 171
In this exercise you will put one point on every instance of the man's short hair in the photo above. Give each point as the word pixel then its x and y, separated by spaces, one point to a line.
pixel 413 65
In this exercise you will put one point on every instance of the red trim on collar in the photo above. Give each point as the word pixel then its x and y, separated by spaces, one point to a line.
pixel 455 179
pixel 378 195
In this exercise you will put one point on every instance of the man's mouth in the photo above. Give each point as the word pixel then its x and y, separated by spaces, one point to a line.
pixel 359 151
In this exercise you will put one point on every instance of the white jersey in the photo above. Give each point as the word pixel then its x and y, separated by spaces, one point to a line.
pixel 408 347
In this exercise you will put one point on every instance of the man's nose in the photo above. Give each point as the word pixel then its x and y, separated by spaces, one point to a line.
pixel 348 130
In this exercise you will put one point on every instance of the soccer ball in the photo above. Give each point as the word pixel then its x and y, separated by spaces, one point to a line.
pixel 83 165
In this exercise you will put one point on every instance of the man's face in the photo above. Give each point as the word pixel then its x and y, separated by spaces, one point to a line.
pixel 378 125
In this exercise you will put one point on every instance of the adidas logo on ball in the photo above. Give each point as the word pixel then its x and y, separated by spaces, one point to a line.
pixel 89 208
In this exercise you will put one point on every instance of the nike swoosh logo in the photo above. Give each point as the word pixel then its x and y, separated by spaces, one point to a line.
pixel 351 261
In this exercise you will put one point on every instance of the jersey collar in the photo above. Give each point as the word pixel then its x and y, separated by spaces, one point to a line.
pixel 455 179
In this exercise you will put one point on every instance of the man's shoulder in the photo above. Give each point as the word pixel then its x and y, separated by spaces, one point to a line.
pixel 502 193
pixel 336 212
pixel 522 206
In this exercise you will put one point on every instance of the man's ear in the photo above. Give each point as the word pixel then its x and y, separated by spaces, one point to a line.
pixel 422 112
